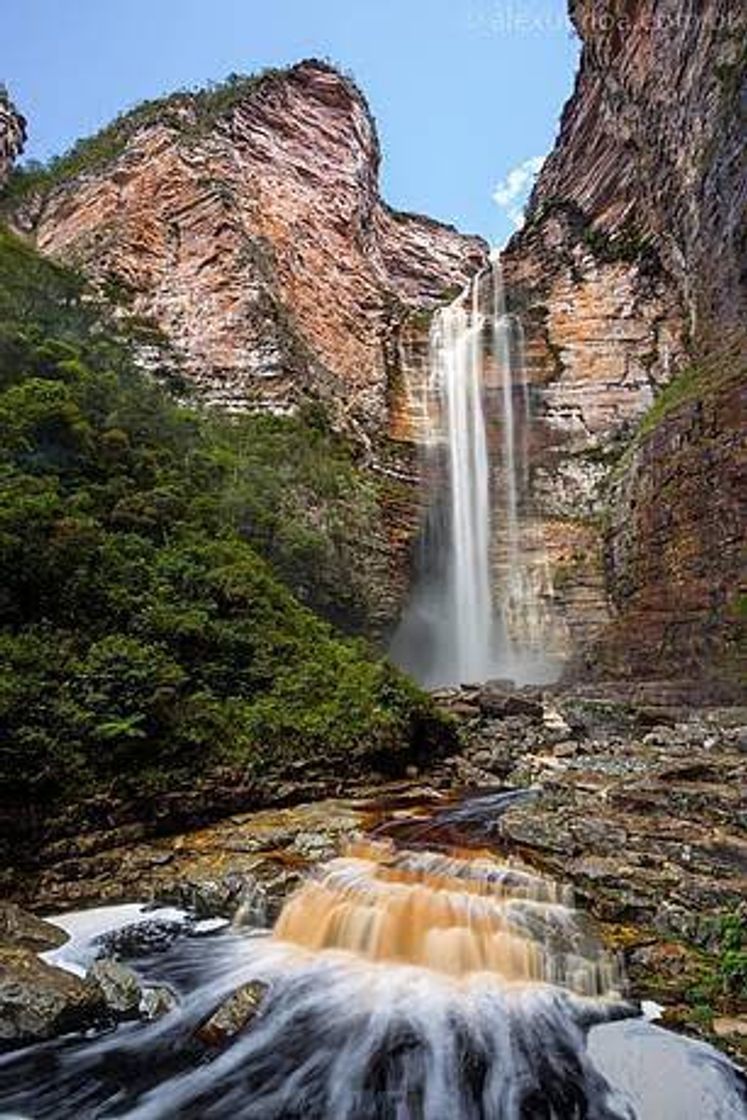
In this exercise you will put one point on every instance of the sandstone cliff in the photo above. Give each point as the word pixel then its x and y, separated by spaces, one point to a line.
pixel 12 135
pixel 246 220
pixel 630 276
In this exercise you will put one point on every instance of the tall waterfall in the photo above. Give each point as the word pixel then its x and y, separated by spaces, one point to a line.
pixel 476 611
pixel 457 363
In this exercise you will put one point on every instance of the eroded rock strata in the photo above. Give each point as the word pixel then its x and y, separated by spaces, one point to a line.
pixel 247 222
pixel 252 231
pixel 629 275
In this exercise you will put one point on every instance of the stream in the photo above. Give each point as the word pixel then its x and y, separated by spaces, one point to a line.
pixel 407 979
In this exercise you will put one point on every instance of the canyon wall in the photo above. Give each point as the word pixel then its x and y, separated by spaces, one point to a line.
pixel 630 278
pixel 246 221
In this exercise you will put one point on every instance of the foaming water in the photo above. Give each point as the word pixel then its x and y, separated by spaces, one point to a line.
pixel 401 985
pixel 450 915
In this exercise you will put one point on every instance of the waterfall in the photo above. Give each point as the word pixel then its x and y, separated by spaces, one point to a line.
pixel 457 365
pixel 398 982
pixel 478 608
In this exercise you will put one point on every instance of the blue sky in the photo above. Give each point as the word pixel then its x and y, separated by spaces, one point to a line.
pixel 463 91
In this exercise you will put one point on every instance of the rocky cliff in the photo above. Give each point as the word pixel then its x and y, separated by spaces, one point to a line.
pixel 630 278
pixel 12 135
pixel 246 220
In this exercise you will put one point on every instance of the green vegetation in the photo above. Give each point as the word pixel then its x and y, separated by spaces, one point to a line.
pixel 192 112
pixel 158 570
pixel 730 76
pixel 724 365
pixel 685 387
pixel 723 975
pixel 625 245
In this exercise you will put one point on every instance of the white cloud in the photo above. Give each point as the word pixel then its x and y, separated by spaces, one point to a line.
pixel 512 192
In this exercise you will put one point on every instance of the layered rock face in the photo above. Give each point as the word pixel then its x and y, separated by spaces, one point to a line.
pixel 246 222
pixel 259 242
pixel 254 235
pixel 629 271
pixel 12 135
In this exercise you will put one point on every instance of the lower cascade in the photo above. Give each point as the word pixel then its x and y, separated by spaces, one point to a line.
pixel 398 984
pixel 479 608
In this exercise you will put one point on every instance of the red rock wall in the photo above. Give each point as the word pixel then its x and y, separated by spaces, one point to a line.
pixel 261 245
pixel 629 271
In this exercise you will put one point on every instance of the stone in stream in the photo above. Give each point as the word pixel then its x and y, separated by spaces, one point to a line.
pixel 141 938
pixel 233 1016
pixel 119 986
pixel 156 1002
pixel 38 1001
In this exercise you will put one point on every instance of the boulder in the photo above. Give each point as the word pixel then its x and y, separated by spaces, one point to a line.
pixel 119 986
pixel 38 1001
pixel 499 703
pixel 26 931
pixel 156 1002
pixel 234 1015
pixel 730 1027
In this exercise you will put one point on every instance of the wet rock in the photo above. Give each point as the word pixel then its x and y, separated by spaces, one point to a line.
pixel 738 738
pixel 566 748
pixel 554 726
pixel 316 847
pixel 38 1001
pixel 660 736
pixel 251 897
pixel 730 1027
pixel 141 938
pixel 18 927
pixel 156 1002
pixel 498 703
pixel 463 709
pixel 234 1015
pixel 119 986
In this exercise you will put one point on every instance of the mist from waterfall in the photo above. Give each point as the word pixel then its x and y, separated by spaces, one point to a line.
pixel 456 628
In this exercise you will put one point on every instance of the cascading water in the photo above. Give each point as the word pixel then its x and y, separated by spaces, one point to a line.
pixel 401 984
pixel 458 356
pixel 455 628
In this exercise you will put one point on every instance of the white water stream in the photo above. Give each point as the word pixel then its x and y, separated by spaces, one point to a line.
pixel 401 985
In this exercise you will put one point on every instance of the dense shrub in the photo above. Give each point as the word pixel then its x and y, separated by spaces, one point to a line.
pixel 153 559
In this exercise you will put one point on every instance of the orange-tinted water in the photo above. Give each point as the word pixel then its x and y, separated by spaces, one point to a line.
pixel 453 915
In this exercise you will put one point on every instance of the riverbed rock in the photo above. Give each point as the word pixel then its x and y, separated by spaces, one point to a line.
pixel 730 1027
pixel 234 1015
pixel 155 1002
pixel 141 938
pixel 26 931
pixel 248 862
pixel 38 1001
pixel 119 986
